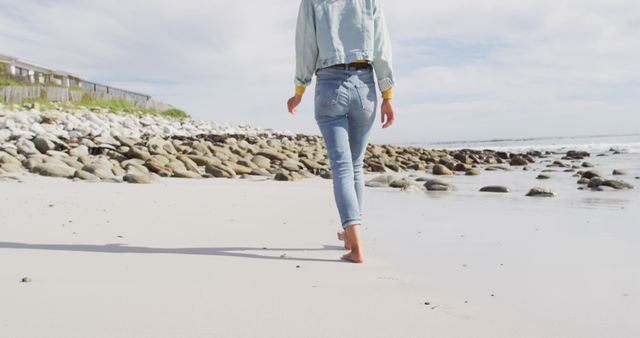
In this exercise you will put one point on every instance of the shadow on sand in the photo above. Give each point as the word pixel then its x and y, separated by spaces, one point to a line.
pixel 212 251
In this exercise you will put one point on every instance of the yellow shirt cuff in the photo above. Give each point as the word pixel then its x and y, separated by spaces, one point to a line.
pixel 300 90
pixel 387 94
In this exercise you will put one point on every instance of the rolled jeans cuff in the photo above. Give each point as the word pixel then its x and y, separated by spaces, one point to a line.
pixel 353 221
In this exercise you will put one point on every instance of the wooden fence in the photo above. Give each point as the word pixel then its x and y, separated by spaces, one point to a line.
pixel 18 94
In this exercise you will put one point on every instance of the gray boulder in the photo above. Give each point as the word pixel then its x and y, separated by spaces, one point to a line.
pixel 43 144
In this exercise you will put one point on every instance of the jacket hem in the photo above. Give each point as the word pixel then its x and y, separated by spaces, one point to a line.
pixel 348 57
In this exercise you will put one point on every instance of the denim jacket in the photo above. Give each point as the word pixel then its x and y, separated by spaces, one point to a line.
pixel 331 32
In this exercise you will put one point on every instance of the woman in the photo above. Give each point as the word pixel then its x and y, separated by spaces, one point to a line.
pixel 343 42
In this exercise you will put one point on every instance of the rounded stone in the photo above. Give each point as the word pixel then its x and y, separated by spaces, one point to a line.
pixel 54 170
pixel 402 183
pixel 495 188
pixel 440 169
pixel 140 178
pixel 472 172
pixel 437 185
pixel 540 192
pixel 617 184
pixel 261 161
pixel 591 173
pixel 518 160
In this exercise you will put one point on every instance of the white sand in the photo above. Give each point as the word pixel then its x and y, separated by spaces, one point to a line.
pixel 191 261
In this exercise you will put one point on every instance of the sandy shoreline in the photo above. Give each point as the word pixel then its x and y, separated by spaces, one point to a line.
pixel 202 258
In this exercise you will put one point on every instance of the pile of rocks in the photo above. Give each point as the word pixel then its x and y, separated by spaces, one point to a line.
pixel 595 180
pixel 91 144
pixel 467 162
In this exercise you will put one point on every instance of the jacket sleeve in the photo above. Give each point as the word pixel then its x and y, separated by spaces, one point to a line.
pixel 306 45
pixel 382 64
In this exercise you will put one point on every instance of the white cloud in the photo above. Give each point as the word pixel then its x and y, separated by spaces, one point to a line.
pixel 466 69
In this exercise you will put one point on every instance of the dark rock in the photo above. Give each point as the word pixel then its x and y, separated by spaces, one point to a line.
pixel 577 154
pixel 25 280
pixel 591 173
pixel 283 177
pixel 503 155
pixel 400 183
pixel 587 165
pixel 617 184
pixel 595 182
pixel 495 188
pixel 518 160
pixel 558 164
pixel 543 177
pixel 326 174
pixel 185 174
pixel 541 192
pixel 437 185
pixel 472 172
pixel 583 180
pixel 460 167
pixel 496 168
pixel 619 172
pixel 43 144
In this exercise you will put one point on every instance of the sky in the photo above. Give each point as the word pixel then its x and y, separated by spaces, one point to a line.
pixel 465 69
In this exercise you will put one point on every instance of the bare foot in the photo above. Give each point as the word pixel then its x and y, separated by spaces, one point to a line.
pixel 354 256
pixel 343 237
pixel 351 236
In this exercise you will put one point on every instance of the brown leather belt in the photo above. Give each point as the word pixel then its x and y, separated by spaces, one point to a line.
pixel 351 66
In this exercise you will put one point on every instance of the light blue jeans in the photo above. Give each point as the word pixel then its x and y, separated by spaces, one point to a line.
pixel 345 109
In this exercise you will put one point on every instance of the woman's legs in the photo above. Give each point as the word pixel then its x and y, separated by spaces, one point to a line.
pixel 360 122
pixel 336 137
pixel 345 111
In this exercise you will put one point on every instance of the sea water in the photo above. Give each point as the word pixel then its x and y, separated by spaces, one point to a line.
pixel 629 143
